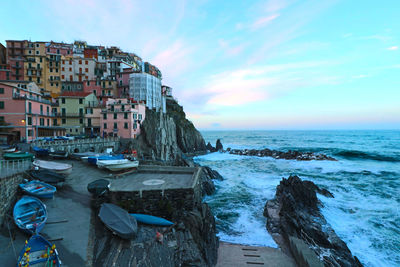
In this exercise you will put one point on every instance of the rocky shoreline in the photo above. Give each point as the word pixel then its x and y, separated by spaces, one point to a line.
pixel 294 213
pixel 289 155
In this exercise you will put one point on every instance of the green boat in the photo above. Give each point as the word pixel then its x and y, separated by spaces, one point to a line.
pixel 18 155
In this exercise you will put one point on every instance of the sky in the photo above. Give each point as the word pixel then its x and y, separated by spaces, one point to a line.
pixel 259 65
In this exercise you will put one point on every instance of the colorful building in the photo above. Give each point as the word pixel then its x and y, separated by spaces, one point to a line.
pixel 27 112
pixel 35 63
pixel 15 58
pixel 5 72
pixel 122 117
pixel 123 82
pixel 72 110
pixel 77 69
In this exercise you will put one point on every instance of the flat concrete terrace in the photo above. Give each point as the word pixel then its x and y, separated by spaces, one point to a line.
pixel 156 178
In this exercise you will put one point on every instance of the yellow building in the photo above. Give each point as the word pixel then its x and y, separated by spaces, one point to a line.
pixel 35 66
pixel 73 107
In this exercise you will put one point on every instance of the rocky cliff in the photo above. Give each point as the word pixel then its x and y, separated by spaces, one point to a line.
pixel 295 213
pixel 165 137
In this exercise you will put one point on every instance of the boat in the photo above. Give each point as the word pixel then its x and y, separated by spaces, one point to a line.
pixel 60 168
pixel 40 152
pixel 9 150
pixel 18 155
pixel 117 165
pixel 37 251
pixel 118 221
pixel 93 160
pixel 49 177
pixel 38 189
pixel 150 219
pixel 84 155
pixel 30 214
pixel 59 154
pixel 98 187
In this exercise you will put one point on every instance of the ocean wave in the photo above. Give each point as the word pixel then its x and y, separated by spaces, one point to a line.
pixel 355 154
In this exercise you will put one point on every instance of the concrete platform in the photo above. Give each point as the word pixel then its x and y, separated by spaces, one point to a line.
pixel 233 255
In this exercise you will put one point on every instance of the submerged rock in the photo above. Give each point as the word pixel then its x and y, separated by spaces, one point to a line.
pixel 294 155
pixel 295 213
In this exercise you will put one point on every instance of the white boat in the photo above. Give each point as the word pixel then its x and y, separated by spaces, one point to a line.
pixel 9 150
pixel 60 168
pixel 118 164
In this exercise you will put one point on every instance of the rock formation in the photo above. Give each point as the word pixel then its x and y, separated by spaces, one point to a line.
pixel 164 137
pixel 295 213
pixel 296 155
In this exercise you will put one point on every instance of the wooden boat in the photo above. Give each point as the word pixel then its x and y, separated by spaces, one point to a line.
pixel 49 177
pixel 93 160
pixel 59 154
pixel 60 168
pixel 37 251
pixel 149 219
pixel 18 155
pixel 118 221
pixel 38 189
pixel 40 152
pixel 98 187
pixel 30 214
pixel 117 165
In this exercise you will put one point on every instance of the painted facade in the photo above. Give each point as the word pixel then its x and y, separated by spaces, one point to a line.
pixel 15 58
pixel 77 69
pixel 122 117
pixel 72 110
pixel 27 112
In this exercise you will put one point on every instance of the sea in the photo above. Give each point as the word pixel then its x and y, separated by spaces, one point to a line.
pixel 365 182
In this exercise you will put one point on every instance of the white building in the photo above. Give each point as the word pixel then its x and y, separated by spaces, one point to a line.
pixel 146 87
pixel 76 69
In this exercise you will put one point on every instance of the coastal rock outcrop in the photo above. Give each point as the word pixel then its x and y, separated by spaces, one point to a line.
pixel 207 177
pixel 165 138
pixel 191 242
pixel 294 212
pixel 294 155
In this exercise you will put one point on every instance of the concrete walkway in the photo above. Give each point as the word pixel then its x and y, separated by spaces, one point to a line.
pixel 239 255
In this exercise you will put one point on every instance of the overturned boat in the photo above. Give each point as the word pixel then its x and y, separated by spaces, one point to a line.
pixel 60 168
pixel 118 221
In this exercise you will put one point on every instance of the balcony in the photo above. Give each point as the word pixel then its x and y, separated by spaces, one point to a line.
pixel 42 114
pixel 71 115
pixel 34 98
pixel 16 67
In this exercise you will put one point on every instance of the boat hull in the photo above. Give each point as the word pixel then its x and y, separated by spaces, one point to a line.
pixel 30 214
pixel 150 219
pixel 60 168
pixel 48 177
pixel 118 165
pixel 38 189
pixel 39 251
pixel 118 220
pixel 18 155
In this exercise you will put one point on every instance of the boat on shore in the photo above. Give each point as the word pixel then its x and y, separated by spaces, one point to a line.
pixel 118 221
pixel 18 155
pixel 60 168
pixel 40 152
pixel 47 176
pixel 85 155
pixel 30 214
pixel 38 189
pixel 9 149
pixel 59 154
pixel 118 165
pixel 150 219
pixel 98 187
pixel 37 251
pixel 93 160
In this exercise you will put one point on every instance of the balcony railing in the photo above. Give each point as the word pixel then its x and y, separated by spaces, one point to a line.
pixel 34 98
pixel 73 115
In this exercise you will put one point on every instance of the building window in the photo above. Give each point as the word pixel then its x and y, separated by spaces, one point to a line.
pixel 80 61
pixel 105 116
pixel 63 100
pixel 81 121
pixel 29 120
pixel 125 115
pixel 105 125
pixel 135 126
pixel 30 132
pixel 126 125
pixel 94 92
pixel 63 121
pixel 89 121
pixel 62 77
pixel 62 69
pixel 140 116
pixel 115 116
pixel 48 122
pixel 41 60
pixel 134 116
pixel 41 122
pixel 41 109
pixel 80 100
pixel 115 125
pixel 133 106
pixel 76 130
pixel 54 122
pixel 86 62
pixel 1 90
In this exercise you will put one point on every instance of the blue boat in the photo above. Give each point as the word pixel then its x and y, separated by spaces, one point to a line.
pixel 30 214
pixel 40 152
pixel 93 159
pixel 37 251
pixel 38 189
pixel 150 219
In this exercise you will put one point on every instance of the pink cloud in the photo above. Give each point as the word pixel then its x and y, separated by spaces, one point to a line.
pixel 263 21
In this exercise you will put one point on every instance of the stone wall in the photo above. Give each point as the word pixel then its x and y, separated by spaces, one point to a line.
pixel 98 145
pixel 8 193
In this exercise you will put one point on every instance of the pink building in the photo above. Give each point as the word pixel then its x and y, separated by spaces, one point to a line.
pixel 92 86
pixel 26 113
pixel 122 117
pixel 5 72
pixel 58 48
pixel 123 82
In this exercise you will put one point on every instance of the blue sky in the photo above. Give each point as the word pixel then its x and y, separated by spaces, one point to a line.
pixel 276 64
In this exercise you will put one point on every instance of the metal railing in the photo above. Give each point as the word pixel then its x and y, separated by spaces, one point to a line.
pixel 10 167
